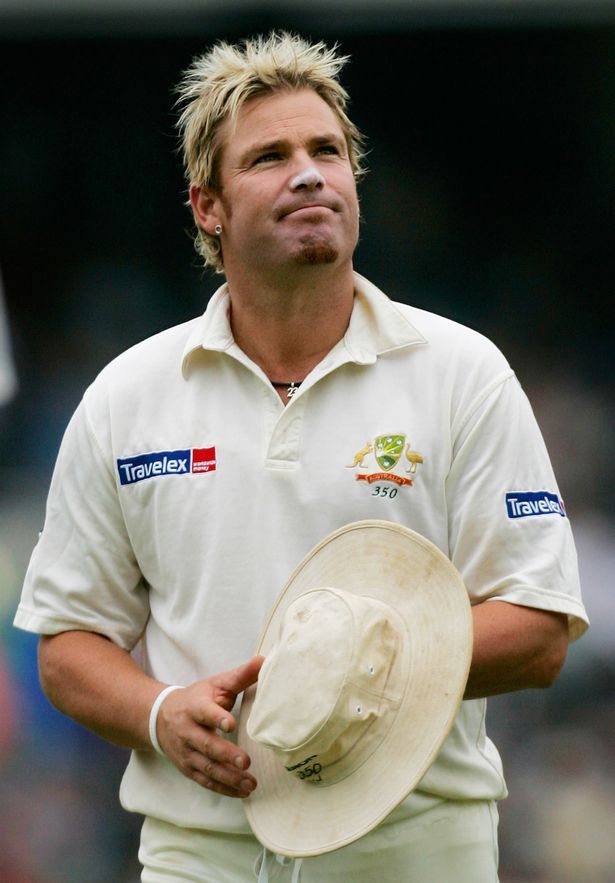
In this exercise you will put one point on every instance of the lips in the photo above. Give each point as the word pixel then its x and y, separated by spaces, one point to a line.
pixel 296 209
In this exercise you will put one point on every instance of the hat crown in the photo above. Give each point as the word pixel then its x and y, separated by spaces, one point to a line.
pixel 335 670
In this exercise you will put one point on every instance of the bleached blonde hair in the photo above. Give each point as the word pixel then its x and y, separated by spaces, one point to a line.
pixel 217 84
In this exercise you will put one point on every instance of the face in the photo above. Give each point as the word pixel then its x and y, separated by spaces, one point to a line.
pixel 287 192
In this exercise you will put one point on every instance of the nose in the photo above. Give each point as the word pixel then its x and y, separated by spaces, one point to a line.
pixel 308 179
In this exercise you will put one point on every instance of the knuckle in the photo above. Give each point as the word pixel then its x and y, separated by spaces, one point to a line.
pixel 213 785
pixel 208 767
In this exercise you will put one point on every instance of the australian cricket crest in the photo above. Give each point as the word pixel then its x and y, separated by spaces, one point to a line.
pixel 395 457
pixel 388 449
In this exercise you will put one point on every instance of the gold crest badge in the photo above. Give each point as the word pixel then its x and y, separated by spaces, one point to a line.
pixel 393 454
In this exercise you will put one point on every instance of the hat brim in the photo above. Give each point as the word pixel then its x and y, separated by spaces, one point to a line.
pixel 398 566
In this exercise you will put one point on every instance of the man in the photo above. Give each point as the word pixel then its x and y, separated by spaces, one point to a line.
pixel 203 464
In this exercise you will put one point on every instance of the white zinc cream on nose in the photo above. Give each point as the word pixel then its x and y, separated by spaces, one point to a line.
pixel 307 178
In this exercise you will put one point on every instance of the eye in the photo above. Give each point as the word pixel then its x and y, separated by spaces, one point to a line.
pixel 328 150
pixel 271 156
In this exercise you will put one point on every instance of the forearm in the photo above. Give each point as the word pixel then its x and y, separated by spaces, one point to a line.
pixel 100 685
pixel 515 648
pixel 95 682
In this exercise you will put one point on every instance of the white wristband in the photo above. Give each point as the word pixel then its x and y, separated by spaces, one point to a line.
pixel 153 717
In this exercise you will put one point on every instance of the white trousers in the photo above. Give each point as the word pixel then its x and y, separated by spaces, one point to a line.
pixel 453 842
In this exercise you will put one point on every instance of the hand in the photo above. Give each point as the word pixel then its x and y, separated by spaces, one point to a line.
pixel 187 725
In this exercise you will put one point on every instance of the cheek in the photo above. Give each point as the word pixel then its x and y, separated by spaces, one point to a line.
pixel 347 188
pixel 251 208
pixel 354 209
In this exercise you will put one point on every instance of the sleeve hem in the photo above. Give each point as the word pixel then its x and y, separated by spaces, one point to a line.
pixel 29 621
pixel 578 622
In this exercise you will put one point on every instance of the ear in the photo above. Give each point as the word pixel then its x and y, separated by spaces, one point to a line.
pixel 204 202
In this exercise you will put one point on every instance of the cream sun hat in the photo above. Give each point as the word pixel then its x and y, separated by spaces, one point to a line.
pixel 367 652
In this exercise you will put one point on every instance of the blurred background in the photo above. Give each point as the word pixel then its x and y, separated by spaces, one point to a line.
pixel 492 142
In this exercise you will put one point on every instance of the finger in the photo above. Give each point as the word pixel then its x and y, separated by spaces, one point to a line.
pixel 218 787
pixel 214 716
pixel 222 775
pixel 220 750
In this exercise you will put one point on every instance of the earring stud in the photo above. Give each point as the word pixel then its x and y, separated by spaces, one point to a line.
pixel 218 229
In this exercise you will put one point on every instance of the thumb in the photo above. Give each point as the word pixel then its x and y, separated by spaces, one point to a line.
pixel 237 679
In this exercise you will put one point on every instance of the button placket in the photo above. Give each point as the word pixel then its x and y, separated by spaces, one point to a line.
pixel 285 438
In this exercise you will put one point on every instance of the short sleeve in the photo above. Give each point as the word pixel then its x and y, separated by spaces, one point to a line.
pixel 83 573
pixel 510 536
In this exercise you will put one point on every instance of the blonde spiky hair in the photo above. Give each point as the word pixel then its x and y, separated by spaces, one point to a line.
pixel 217 84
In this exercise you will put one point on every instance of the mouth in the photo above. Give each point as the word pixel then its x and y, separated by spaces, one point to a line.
pixel 312 208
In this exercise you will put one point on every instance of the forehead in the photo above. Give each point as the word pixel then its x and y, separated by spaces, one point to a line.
pixel 297 114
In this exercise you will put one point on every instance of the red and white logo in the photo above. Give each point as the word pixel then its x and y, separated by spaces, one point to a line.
pixel 203 459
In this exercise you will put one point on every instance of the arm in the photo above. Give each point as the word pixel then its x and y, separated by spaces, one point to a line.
pixel 91 679
pixel 515 648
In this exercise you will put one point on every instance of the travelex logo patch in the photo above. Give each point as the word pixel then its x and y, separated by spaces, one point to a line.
pixel 183 462
pixel 529 503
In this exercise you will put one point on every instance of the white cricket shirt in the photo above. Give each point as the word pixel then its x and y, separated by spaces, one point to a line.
pixel 185 493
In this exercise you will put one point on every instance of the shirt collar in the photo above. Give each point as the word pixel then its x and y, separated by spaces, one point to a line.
pixel 212 330
pixel 376 326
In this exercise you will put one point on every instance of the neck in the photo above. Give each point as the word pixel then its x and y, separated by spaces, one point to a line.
pixel 288 326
